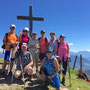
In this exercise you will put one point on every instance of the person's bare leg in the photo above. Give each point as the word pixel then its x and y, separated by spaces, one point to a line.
pixel 33 63
pixel 17 74
pixel 58 89
pixel 4 65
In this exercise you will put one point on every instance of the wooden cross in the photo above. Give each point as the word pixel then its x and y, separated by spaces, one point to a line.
pixel 31 19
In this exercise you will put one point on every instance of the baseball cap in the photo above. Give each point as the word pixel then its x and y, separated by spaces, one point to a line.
pixel 34 33
pixel 62 35
pixel 12 26
pixel 42 31
pixel 49 49
pixel 52 33
pixel 26 29
pixel 24 44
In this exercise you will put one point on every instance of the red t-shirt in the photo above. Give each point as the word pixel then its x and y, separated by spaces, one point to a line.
pixel 43 45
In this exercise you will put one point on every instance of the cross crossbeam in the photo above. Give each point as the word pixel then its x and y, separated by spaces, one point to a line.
pixel 30 18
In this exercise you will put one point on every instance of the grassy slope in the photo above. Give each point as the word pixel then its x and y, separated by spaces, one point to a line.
pixel 77 84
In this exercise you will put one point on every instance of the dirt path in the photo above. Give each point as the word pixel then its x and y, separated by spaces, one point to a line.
pixel 34 84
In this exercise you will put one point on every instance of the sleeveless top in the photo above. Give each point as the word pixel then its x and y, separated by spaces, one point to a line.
pixel 24 39
pixel 48 65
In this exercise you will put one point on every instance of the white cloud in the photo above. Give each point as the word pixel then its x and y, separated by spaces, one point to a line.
pixel 88 50
pixel 75 51
pixel 70 44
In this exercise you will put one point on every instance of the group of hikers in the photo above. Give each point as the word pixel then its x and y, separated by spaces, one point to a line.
pixel 28 50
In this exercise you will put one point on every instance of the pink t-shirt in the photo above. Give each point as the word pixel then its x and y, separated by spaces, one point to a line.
pixel 25 39
pixel 63 50
pixel 43 45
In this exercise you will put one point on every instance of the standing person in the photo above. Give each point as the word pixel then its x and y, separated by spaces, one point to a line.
pixel 52 42
pixel 43 41
pixel 26 61
pixel 34 46
pixel 10 39
pixel 24 38
pixel 50 68
pixel 62 50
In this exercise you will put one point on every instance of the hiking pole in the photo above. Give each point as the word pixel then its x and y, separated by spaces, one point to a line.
pixel 11 50
pixel 69 72
pixel 3 51
pixel 13 72
pixel 22 70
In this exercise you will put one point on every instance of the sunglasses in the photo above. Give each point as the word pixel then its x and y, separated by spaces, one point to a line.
pixel 48 52
pixel 12 27
pixel 25 31
pixel 43 32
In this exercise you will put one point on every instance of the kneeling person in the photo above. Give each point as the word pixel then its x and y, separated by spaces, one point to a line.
pixel 24 59
pixel 50 68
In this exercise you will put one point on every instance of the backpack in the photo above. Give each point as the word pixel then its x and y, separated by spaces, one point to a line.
pixel 3 46
pixel 59 44
pixel 83 75
pixel 45 39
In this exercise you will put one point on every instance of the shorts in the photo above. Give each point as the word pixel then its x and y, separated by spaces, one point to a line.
pixel 7 56
pixel 42 55
pixel 35 55
pixel 18 70
pixel 56 81
pixel 64 67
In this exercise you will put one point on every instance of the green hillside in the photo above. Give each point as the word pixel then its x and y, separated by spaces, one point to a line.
pixel 77 84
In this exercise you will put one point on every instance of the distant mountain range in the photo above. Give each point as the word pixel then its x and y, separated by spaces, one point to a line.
pixel 1 55
pixel 85 54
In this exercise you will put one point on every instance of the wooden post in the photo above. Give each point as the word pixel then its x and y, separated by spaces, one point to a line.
pixel 80 63
pixel 75 62
pixel 30 22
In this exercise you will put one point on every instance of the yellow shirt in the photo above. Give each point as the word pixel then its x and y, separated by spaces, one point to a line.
pixel 11 38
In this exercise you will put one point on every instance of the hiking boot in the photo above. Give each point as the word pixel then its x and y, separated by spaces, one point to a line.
pixel 45 84
pixel 20 77
pixel 3 74
pixel 10 73
pixel 63 82
pixel 36 71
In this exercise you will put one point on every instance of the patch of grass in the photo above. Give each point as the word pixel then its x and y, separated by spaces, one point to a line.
pixel 1 60
pixel 77 84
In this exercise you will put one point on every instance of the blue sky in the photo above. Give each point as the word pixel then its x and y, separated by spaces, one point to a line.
pixel 69 17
